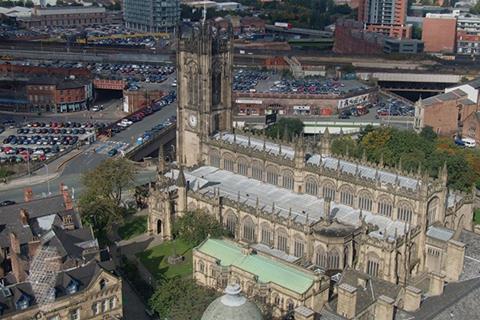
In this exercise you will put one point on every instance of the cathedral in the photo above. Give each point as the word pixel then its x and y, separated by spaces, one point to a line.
pixel 295 210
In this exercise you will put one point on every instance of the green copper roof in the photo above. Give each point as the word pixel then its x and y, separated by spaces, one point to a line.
pixel 267 270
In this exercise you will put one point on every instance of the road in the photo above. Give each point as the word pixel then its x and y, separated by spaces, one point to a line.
pixel 87 160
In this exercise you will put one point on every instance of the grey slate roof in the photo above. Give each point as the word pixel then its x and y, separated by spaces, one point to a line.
pixel 439 233
pixel 83 276
pixel 321 160
pixel 375 287
pixel 234 186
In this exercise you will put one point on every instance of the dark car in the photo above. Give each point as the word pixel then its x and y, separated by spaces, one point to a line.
pixel 7 203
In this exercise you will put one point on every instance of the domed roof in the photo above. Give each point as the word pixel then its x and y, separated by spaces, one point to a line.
pixel 232 306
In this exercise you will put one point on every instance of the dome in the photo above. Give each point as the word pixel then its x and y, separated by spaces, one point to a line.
pixel 232 306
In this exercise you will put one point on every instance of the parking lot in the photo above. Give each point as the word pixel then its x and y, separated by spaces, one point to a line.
pixel 40 141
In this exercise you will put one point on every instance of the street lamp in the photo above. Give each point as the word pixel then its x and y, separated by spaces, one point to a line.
pixel 48 179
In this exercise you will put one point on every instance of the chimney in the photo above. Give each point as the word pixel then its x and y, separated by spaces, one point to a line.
pixel 33 247
pixel 347 301
pixel 14 243
pixel 412 299
pixel 437 282
pixel 67 200
pixel 27 194
pixel 384 308
pixel 304 313
pixel 24 217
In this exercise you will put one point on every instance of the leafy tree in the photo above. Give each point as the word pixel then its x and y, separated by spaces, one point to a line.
pixel 100 203
pixel 341 145
pixel 195 226
pixel 141 195
pixel 181 299
pixel 428 134
pixel 290 126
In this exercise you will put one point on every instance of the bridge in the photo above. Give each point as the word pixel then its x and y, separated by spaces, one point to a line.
pixel 165 139
pixel 299 31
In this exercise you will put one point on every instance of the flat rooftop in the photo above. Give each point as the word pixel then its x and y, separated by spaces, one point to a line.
pixel 267 269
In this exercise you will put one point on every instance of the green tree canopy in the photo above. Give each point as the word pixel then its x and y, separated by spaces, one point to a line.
pixel 286 128
pixel 412 150
pixel 100 203
pixel 181 299
pixel 195 226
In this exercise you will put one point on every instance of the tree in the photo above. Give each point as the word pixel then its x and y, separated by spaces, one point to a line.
pixel 101 202
pixel 141 195
pixel 290 127
pixel 181 299
pixel 195 226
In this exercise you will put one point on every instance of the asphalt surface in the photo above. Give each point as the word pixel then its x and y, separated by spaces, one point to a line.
pixel 88 159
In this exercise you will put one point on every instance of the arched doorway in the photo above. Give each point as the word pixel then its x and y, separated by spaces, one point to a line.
pixel 159 226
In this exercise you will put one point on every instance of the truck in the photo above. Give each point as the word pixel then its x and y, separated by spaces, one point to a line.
pixel 284 25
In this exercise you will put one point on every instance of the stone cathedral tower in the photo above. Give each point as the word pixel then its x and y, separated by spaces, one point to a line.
pixel 204 77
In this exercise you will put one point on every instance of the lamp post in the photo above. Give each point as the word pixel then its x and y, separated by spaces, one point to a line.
pixel 48 179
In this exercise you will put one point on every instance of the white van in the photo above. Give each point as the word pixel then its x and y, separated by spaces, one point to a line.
pixel 469 142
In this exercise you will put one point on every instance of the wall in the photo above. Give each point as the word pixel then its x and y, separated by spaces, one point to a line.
pixel 436 41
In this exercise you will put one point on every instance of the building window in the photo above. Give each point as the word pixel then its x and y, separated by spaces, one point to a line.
pixel 272 176
pixel 329 192
pixel 346 197
pixel 95 308
pixel 298 249
pixel 432 211
pixel 232 224
pixel 365 202
pixel 105 306
pixel 257 172
pixel 248 230
pixel 311 187
pixel 373 265
pixel 287 180
pixel 113 303
pixel 320 258
pixel 243 168
pixel 333 260
pixel 405 213
pixel 103 284
pixel 266 235
pixel 215 159
pixel 228 165
pixel 282 241
pixel 201 267
pixel 385 207
pixel 75 314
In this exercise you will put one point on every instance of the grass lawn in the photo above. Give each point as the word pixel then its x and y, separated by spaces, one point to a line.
pixel 476 216
pixel 155 260
pixel 133 227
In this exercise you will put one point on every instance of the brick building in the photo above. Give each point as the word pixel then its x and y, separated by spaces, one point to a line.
pixel 471 127
pixel 134 100
pixel 385 16
pixel 259 104
pixel 51 94
pixel 64 16
pixel 44 248
pixel 447 112
pixel 439 33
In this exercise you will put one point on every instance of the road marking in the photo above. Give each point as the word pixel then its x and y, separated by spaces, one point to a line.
pixel 476 260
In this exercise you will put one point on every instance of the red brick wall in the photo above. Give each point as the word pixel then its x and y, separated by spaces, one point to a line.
pixel 18 69
pixel 347 43
pixel 439 35
pixel 471 128
pixel 443 116
pixel 70 95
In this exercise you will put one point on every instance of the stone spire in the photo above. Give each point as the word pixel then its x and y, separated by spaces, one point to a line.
pixel 325 143
pixel 181 181
pixel 443 175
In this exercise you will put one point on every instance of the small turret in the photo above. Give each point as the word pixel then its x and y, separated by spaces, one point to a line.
pixel 325 143
pixel 181 181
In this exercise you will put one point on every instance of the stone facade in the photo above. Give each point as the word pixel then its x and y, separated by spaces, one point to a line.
pixel 394 215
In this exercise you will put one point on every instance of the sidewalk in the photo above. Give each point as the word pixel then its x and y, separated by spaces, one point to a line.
pixel 55 169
